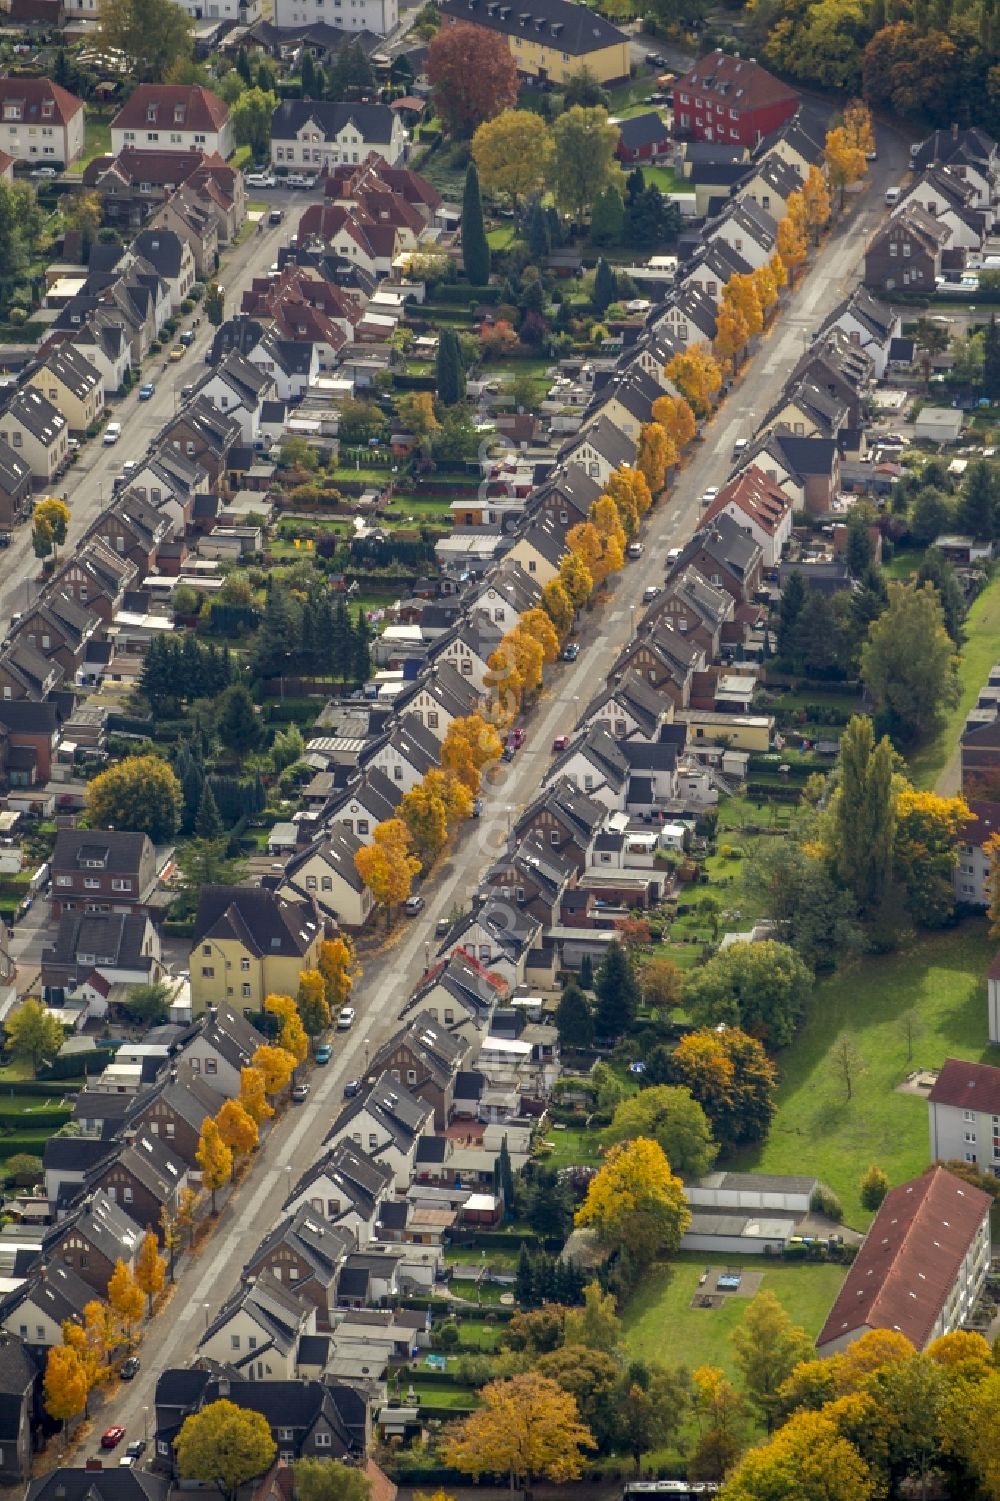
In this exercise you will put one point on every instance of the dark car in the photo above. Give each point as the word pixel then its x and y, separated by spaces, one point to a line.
pixel 136 1448
pixel 187 338
pixel 146 391
pixel 275 216
pixel 570 652
pixel 129 1370
pixel 351 1088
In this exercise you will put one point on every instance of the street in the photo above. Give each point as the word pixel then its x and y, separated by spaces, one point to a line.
pixel 390 976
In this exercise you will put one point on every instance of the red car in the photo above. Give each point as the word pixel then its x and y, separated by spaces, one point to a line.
pixel 560 742
pixel 516 738
pixel 112 1436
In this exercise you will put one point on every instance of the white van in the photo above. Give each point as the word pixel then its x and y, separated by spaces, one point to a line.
pixel 893 195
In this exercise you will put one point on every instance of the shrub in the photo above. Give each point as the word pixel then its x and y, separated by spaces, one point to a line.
pixel 825 1201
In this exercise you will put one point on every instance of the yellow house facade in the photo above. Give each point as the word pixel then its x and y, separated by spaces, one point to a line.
pixel 552 41
pixel 250 943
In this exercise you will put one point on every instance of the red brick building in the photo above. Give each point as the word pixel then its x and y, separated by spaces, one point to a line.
pixel 732 100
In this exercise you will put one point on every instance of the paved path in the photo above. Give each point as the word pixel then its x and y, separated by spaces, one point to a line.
pixel 390 977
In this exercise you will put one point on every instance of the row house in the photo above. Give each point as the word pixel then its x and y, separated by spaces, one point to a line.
pixel 171 257
pixel 388 1122
pixel 16 489
pixel 38 433
pixel 426 1056
pixel 910 250
pixel 628 709
pixel 326 873
pixel 499 938
pixel 59 628
pixel 761 507
pixel 460 992
pixel 72 385
pixel 807 469
pixel 970 153
pixel 307 1255
pixel 345 1187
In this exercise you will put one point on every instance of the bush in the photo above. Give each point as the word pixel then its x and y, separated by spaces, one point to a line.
pixel 825 1201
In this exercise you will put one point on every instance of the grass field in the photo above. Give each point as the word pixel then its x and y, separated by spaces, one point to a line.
pixel 981 650
pixel 572 1146
pixel 940 980
pixel 96 142
pixel 661 1324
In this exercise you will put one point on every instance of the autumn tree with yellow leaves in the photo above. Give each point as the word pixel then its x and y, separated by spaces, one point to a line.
pixel 471 743
pixel 537 624
pixel 675 416
pixel 558 606
pixel 213 1156
pixel 432 810
pixel 766 287
pixel 528 657
pixel 576 579
pixel 846 148
pixel 238 1130
pixel 253 1095
pixel 387 865
pixel 601 555
pixel 64 1385
pixel 792 235
pixel 630 492
pixel 503 686
pixel 528 1428
pixel 124 1299
pixel 338 966
pixel 731 337
pixel 657 453
pixel 292 1035
pixel 740 294
pixel 696 374
pixel 311 1002
pixel 636 1201
pixel 816 198
pixel 151 1267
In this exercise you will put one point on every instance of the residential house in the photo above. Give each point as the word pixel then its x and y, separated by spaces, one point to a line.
pixel 222 1048
pixel 946 197
pixel 25 673
pixel 102 339
pixel 796 144
pixel 533 875
pixel 205 435
pixel 36 1310
pixel 964 1114
pixel 628 400
pixel 184 117
pixel 870 324
pixel 553 41
pixel 387 1121
pixel 133 530
pixel 32 728
pixel 760 507
pixel 714 183
pixel 664 658
pixel 177 1111
pixel 460 992
pixel 80 1484
pixel 689 315
pixel 307 1419
pixel 171 256
pixel 293 366
pixel 326 874
pixel 713 265
pixel 747 228
pixel 469 647
pixel 499 938
pixel 195 221
pixel 568 818
pixel 123 947
pixel 248 943
pixel 374 799
pixel 771 183
pixel 908 250
pixel 697 610
pixel 505 595
pixel 239 388
pixel 59 629
pixel 727 98
pixel 426 1056
pixel 257 1330
pixel 145 1177
pixel 539 548
pixel 15 490
pixel 439 697
pixel 307 1254
pixel 40 122
pixel 808 412
pixel 410 752
pixel 806 468
pixel 835 365
pixel 566 496
pixel 72 385
pixel 37 432
pixel 972 868
pixel 19 1414
pixel 102 870
pixel 921 1266
pixel 312 134
pixel 97 578
pixel 377 17
pixel 173 485
pixel 971 152
pixel 346 1187
pixel 643 138
pixel 628 709
pixel 599 449
pixel 93 1238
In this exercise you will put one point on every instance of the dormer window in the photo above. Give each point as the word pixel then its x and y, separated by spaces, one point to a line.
pixel 178 114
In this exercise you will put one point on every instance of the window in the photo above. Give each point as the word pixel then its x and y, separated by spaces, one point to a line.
pixel 397 772
pixel 372 1141
pixel 206 949
pixel 245 989
pixel 411 1075
pixel 245 966
pixel 207 972
pixel 252 1341
pixel 968 1115
pixel 127 1194
pixel 362 826
pixel 432 719
pixel 323 1441
pixel 211 1065
pixel 326 883
pixel 120 885
pixel 64 880
pixel 969 1136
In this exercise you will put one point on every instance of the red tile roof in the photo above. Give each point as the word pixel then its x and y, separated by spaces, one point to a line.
pixel 163 168
pixel 201 110
pixel 759 498
pixel 968 1086
pixel 737 82
pixel 984 823
pixel 904 1272
pixel 32 93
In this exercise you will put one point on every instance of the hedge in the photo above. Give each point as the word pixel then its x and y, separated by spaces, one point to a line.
pixel 68 1065
pixel 414 382
pixel 499 1240
pixel 443 1414
pixel 779 793
pixel 41 1088
pixel 463 293
pixel 41 1120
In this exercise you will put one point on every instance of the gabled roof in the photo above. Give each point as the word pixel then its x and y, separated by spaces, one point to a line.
pixel 944 147
pixel 298 1405
pixel 274 1308
pixel 712 605
pixel 911 1258
pixel 337 850
pixel 967 1086
pixel 321 1246
pixel 391 1105
pixel 113 850
pixel 40 100
pixel 649 129
pixel 106 1225
pixel 438 1050
pixel 984 823
pixel 602 751
pixel 738 83
pixel 154 1165
pixel 578 812
pixel 550 23
pixel 361 1181
pixel 639 699
pixel 36 415
pixel 373 122
pixel 512 930
pixel 878 319
pixel 68 1483
pixel 172 107
pixel 15 472
pixel 58 1292
pixel 605 438
pixel 258 919
pixel 535 859
pixel 758 498
pixel 70 367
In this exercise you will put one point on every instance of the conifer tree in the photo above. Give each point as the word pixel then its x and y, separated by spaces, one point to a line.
pixel 475 246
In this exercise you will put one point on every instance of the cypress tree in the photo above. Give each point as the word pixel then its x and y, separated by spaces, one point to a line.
pixel 604 287
pixel 505 1177
pixel 450 377
pixel 308 75
pixel 207 823
pixel 607 219
pixel 523 1278
pixel 475 246
pixel 586 973
pixel 243 66
pixel 617 993
pixel 538 233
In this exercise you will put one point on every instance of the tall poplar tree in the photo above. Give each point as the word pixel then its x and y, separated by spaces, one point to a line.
pixel 475 246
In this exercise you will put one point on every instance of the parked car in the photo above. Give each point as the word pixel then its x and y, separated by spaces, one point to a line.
pixel 260 180
pixel 187 338
pixel 323 1053
pixel 413 905
pixel 560 742
pixel 186 391
pixel 112 432
pixel 634 550
pixel 656 60
pixel 177 353
pixel 128 1372
pixel 346 1015
pixel 649 594
pixel 45 172
pixel 146 390
pixel 136 1448
pixel 570 651
pixel 442 926
pixel 708 496
pixel 351 1088
pixel 298 180
pixel 112 1436
pixel 516 737
pixel 300 1092
pixel 477 807
pixel 275 216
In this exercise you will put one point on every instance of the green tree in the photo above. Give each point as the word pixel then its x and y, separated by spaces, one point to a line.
pixel 34 1033
pixel 671 1116
pixel 605 287
pixel 873 1187
pixel 307 73
pixel 651 1403
pixel 251 117
pixel 730 1076
pixel 225 1446
pixel 596 1325
pixel 930 515
pixel 908 662
pixel 767 1348
pixel 215 304
pixel 759 987
pixel 573 1019
pixel 617 992
pixel 607 221
pixel 979 501
pixel 207 823
pixel 330 1480
pixel 991 359
pixel 450 375
pixel 152 34
pixel 583 159
pixel 236 720
pixel 793 596
pixel 141 794
pixel 863 814
pixel 475 246
pixel 150 1003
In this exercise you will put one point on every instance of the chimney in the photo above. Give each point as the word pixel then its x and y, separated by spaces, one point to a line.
pixel 954 130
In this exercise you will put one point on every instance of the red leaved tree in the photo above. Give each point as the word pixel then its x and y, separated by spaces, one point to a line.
pixel 472 74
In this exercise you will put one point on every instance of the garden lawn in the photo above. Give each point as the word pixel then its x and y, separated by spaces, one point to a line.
pixel 662 177
pixel 980 651
pixel 96 142
pixel 940 978
pixel 660 1323
pixel 573 1146
pixel 500 237
pixel 444 1395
